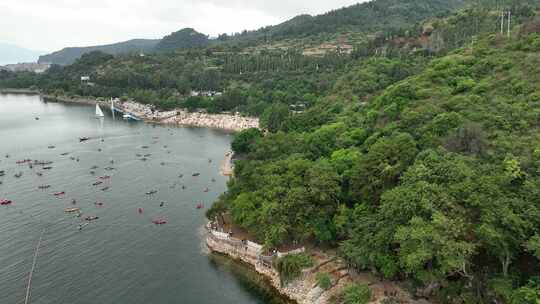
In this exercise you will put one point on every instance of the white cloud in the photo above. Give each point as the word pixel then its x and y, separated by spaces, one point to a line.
pixel 54 24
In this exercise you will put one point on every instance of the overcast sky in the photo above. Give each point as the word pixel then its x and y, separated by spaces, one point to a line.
pixel 50 25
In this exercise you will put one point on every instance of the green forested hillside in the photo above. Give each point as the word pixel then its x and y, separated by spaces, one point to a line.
pixel 433 179
pixel 416 157
pixel 183 39
pixel 367 17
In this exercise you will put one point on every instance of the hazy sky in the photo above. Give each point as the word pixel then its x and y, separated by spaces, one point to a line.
pixel 53 24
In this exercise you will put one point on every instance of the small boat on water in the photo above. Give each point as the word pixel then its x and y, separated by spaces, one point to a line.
pixel 5 202
pixel 39 174
pixel 72 210
pixel 151 192
pixel 195 174
pixel 64 154
pixel 105 189
pixel 90 218
pixel 99 204
pixel 105 177
pixel 200 205
pixel 97 183
pixel 51 147
pixel 42 162
pixel 110 168
pixel 140 210
pixel 2 172
pixel 59 193
pixel 145 147
pixel 159 221
pixel 44 187
pixel 81 139
pixel 24 161
pixel 147 155
pixel 47 168
pixel 99 113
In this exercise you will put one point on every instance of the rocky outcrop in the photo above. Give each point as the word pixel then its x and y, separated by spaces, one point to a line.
pixel 304 290
pixel 217 121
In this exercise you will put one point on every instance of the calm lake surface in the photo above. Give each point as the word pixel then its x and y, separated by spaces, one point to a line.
pixel 122 257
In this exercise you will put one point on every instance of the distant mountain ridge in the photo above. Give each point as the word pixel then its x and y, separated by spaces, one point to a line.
pixel 70 54
pixel 11 54
pixel 367 17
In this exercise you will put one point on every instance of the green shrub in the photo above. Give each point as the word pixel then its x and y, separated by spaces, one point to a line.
pixel 356 294
pixel 324 281
pixel 290 267
pixel 528 294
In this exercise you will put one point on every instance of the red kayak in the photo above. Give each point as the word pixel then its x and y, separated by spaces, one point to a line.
pixel 200 205
pixel 159 221
pixel 5 202
pixel 59 193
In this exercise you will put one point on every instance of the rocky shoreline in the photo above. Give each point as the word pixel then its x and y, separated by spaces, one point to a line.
pixel 305 290
pixel 179 117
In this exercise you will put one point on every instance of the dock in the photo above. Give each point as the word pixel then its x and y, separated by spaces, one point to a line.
pixel 132 116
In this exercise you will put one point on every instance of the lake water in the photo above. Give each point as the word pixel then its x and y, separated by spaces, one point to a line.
pixel 122 257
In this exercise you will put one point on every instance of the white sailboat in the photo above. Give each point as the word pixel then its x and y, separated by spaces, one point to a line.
pixel 99 113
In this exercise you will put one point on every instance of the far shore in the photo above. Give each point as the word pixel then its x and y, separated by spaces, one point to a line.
pixel 179 117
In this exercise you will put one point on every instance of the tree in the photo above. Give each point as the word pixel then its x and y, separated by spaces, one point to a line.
pixel 273 118
pixel 243 141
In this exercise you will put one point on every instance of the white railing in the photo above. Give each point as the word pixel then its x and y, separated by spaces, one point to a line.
pixel 296 251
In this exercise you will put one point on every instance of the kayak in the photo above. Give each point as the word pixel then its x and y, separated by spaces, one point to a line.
pixel 5 202
pixel 159 221
pixel 71 210
pixel 59 193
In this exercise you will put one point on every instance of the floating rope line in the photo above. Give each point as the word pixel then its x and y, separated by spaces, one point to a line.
pixel 33 267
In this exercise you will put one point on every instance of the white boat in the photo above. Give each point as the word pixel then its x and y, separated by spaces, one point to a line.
pixel 99 113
